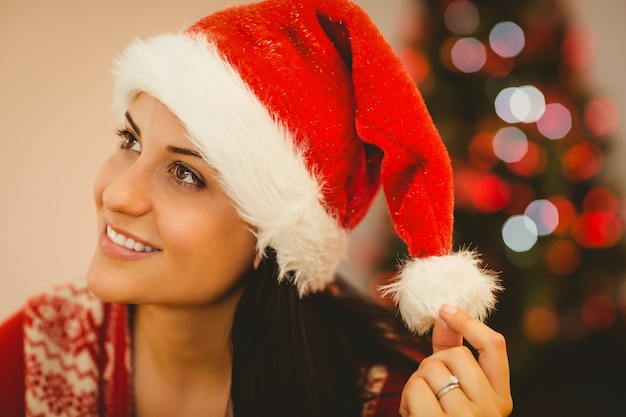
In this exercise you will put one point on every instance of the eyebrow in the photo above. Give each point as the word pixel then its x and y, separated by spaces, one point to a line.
pixel 172 149
pixel 183 151
pixel 132 123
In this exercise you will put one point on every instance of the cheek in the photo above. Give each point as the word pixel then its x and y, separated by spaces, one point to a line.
pixel 239 244
pixel 221 243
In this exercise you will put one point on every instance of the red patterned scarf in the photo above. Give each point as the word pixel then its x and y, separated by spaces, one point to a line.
pixel 76 354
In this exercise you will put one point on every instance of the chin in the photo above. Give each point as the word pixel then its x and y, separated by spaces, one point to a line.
pixel 104 284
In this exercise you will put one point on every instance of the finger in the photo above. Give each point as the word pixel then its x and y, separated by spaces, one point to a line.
pixel 461 362
pixel 490 345
pixel 444 337
pixel 418 399
pixel 438 376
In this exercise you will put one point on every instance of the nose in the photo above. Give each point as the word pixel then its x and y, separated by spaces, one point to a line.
pixel 128 190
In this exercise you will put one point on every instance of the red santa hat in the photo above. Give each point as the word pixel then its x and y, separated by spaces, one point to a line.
pixel 305 111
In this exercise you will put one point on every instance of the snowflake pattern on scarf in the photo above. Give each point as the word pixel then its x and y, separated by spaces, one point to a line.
pixel 61 353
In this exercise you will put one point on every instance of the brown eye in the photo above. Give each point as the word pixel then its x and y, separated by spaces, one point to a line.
pixel 129 141
pixel 185 176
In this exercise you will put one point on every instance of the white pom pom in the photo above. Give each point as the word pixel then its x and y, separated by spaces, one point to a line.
pixel 424 284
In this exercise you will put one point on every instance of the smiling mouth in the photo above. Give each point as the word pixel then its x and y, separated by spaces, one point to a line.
pixel 127 242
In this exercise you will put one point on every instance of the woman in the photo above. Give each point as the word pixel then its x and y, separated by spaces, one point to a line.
pixel 249 145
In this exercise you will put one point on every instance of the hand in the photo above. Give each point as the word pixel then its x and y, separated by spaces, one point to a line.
pixel 484 383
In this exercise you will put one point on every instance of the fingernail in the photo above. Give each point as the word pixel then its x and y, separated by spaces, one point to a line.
pixel 448 309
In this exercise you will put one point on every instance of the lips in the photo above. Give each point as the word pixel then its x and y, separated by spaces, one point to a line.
pixel 127 242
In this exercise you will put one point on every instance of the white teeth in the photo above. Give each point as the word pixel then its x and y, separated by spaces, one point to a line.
pixel 127 242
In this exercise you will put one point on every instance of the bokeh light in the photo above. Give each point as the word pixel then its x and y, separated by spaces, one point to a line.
pixel 582 161
pixel 468 55
pixel 510 144
pixel 461 17
pixel 577 49
pixel 567 213
pixel 544 214
pixel 527 104
pixel 541 324
pixel 563 257
pixel 556 121
pixel 480 150
pixel 465 178
pixel 506 39
pixel 445 53
pixel 502 105
pixel 520 104
pixel 599 312
pixel 597 229
pixel 490 194
pixel 601 117
pixel 601 199
pixel 519 233
pixel 533 163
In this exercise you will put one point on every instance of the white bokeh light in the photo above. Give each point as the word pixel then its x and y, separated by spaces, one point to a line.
pixel 528 104
pixel 506 39
pixel 502 104
pixel 510 144
pixel 520 104
pixel 519 233
pixel 544 214
pixel 468 55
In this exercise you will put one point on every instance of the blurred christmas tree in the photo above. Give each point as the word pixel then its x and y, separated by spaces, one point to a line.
pixel 506 83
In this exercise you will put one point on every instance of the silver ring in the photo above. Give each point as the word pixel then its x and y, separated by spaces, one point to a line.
pixel 453 383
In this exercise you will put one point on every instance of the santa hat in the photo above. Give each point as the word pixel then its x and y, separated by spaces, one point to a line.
pixel 304 110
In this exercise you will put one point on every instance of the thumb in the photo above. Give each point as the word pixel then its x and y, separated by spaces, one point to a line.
pixel 443 336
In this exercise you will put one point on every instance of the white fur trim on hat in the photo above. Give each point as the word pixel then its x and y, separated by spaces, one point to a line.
pixel 424 284
pixel 259 166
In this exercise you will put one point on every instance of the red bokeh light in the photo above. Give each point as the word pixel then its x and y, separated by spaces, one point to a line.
pixel 465 179
pixel 599 312
pixel 532 163
pixel 582 161
pixel 445 53
pixel 577 49
pixel 601 199
pixel 541 324
pixel 563 257
pixel 490 194
pixel 480 150
pixel 597 229
pixel 567 213
pixel 601 117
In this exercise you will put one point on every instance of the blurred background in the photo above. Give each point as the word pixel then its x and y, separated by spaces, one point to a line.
pixel 528 96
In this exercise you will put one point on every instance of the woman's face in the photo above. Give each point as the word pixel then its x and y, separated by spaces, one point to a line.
pixel 168 232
